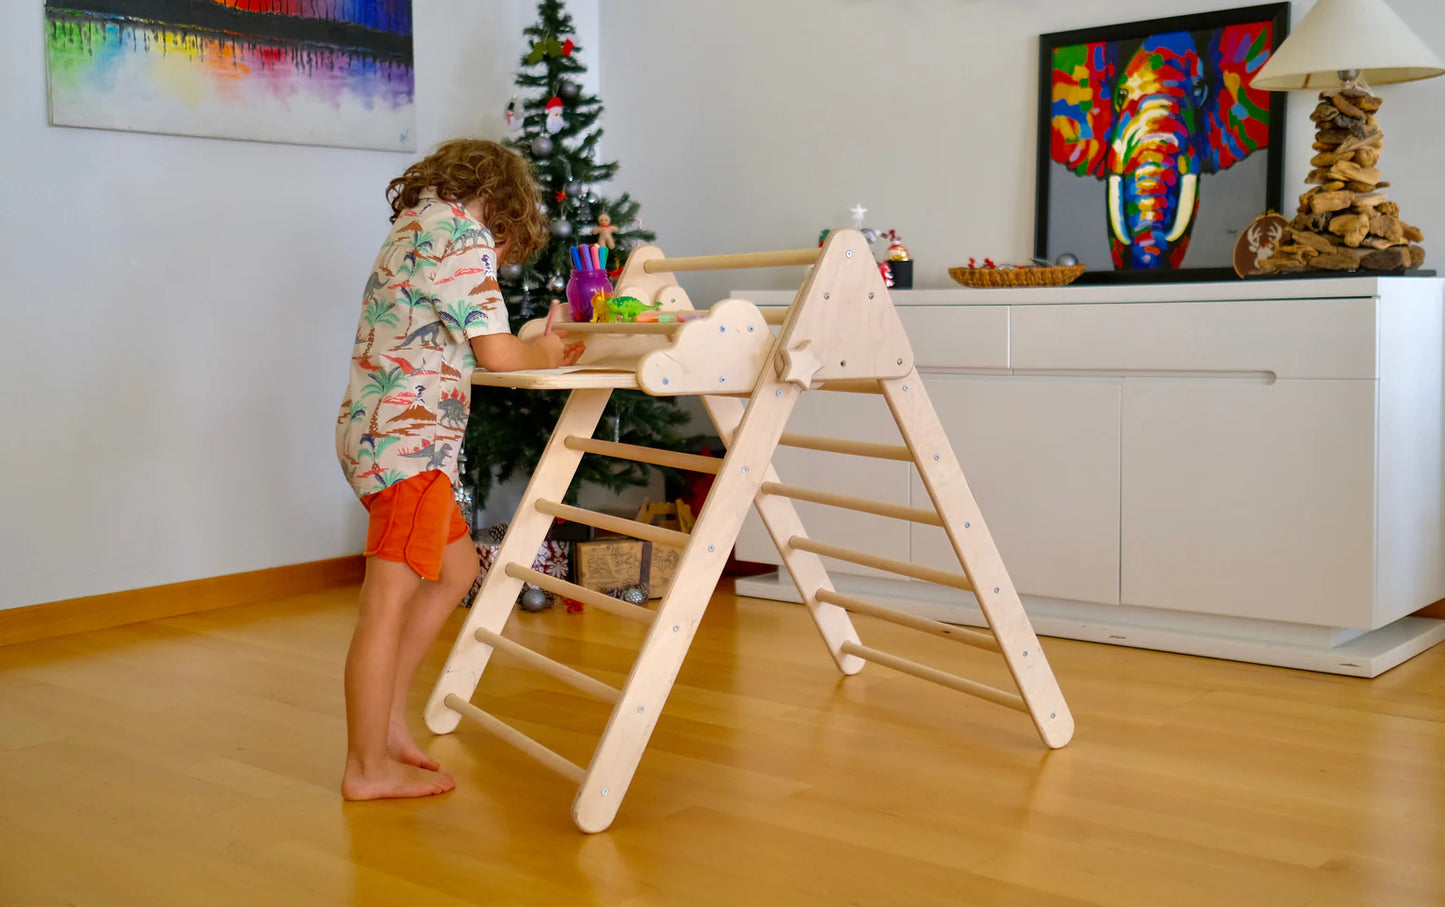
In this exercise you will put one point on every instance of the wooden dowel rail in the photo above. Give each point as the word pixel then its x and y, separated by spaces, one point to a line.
pixel 863 559
pixel 942 678
pixel 853 448
pixel 973 638
pixel 638 530
pixel 516 738
pixel 573 678
pixel 580 593
pixel 848 502
pixel 653 455
pixel 731 262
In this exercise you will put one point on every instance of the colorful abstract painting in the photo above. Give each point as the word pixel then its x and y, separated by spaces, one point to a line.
pixel 313 72
pixel 1155 148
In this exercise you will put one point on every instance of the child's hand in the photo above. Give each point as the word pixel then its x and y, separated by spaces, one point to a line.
pixel 572 352
pixel 551 348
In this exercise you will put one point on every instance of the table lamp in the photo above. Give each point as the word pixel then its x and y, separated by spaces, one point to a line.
pixel 1344 222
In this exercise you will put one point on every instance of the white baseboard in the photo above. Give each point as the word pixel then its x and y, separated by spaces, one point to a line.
pixel 1328 650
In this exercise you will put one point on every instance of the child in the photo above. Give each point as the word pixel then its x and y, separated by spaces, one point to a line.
pixel 431 310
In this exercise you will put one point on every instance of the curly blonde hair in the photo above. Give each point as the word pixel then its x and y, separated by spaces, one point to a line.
pixel 464 169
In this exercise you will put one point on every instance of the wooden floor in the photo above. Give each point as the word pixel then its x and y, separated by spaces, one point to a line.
pixel 194 761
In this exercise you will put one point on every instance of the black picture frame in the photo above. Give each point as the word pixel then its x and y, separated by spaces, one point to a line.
pixel 1129 36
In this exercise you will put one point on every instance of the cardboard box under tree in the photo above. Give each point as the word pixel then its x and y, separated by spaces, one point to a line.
pixel 616 562
pixel 606 564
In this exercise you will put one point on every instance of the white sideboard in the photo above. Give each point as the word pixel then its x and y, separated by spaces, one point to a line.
pixel 1244 470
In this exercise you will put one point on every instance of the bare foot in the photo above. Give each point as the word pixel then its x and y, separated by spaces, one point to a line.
pixel 402 748
pixel 392 779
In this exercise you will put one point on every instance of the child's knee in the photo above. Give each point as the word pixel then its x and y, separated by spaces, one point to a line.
pixel 460 571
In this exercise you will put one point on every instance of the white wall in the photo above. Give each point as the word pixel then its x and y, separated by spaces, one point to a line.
pixel 751 124
pixel 156 286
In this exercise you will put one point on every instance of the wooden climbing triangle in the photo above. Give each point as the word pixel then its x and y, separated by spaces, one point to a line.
pixel 840 334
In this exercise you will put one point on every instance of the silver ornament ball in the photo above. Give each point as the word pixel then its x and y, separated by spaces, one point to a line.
pixel 634 595
pixel 1067 260
pixel 541 146
pixel 555 284
pixel 534 599
pixel 574 189
pixel 510 273
pixel 568 90
pixel 561 229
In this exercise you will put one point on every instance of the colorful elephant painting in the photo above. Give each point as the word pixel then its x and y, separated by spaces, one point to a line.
pixel 1150 117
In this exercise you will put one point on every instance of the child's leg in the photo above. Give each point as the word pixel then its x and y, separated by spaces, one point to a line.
pixel 371 669
pixel 426 611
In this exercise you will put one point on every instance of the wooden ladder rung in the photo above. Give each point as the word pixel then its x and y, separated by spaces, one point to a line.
pixel 573 678
pixel 902 568
pixel 848 502
pixel 942 678
pixel 637 453
pixel 633 528
pixel 508 734
pixel 973 638
pixel 780 259
pixel 580 593
pixel 842 446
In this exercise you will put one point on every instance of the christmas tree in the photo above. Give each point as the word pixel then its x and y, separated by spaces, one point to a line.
pixel 553 123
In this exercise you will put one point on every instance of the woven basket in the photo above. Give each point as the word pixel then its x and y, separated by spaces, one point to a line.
pixel 1016 277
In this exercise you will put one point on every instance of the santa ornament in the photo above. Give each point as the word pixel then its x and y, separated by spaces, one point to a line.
pixel 554 116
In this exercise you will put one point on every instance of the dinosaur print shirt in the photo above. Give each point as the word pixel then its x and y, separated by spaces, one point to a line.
pixel 434 286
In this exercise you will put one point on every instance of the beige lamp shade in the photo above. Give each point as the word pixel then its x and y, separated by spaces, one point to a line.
pixel 1336 35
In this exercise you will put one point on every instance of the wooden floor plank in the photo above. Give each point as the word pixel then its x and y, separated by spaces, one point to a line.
pixel 195 760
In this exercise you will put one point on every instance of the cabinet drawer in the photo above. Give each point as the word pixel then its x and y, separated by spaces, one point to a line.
pixel 1328 338
pixel 1250 500
pixel 957 337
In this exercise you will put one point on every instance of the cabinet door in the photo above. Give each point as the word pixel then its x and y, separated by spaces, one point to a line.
pixel 1250 499
pixel 1041 455
pixel 856 417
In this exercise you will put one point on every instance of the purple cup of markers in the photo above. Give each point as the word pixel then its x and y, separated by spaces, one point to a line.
pixel 582 286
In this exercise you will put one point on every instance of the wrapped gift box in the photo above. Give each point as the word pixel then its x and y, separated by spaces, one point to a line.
pixel 552 559
pixel 606 564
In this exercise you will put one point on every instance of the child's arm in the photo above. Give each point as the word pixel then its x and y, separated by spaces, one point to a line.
pixel 505 353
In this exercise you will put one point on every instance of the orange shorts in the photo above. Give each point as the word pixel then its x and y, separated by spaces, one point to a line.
pixel 413 522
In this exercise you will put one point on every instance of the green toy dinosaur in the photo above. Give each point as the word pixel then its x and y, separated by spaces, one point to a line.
pixel 626 308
